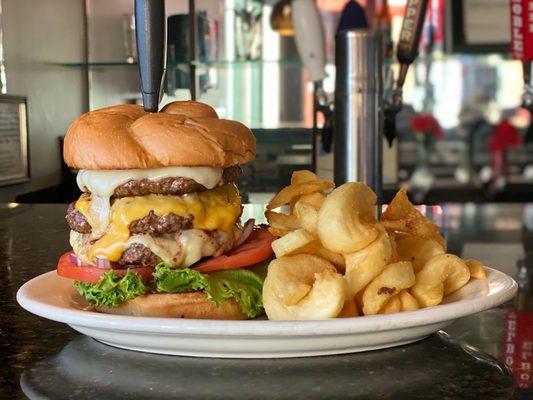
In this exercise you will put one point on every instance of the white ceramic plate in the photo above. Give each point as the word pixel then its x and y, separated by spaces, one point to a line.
pixel 55 298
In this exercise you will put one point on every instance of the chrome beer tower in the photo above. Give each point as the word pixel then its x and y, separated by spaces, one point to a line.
pixel 361 113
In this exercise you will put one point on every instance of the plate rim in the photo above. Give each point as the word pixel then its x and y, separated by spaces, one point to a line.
pixel 355 325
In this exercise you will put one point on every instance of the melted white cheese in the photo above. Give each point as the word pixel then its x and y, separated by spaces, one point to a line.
pixel 167 247
pixel 79 242
pixel 99 215
pixel 104 182
pixel 197 244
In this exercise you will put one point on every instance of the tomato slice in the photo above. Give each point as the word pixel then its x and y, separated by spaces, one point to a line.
pixel 67 269
pixel 255 249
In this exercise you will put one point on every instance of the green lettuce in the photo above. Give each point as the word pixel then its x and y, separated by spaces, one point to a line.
pixel 242 285
pixel 245 286
pixel 112 289
pixel 177 280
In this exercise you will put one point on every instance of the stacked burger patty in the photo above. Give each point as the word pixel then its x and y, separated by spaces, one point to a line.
pixel 138 255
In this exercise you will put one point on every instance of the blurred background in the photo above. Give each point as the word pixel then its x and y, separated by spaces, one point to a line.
pixel 462 134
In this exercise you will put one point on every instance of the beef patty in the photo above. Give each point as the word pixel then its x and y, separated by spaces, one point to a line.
pixel 175 186
pixel 76 220
pixel 155 225
pixel 138 255
pixel 152 224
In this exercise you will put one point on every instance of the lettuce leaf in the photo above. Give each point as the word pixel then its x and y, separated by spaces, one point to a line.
pixel 177 280
pixel 245 286
pixel 112 289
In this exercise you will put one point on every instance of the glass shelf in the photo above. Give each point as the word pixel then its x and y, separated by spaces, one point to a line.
pixel 226 63
pixel 96 64
pixel 171 65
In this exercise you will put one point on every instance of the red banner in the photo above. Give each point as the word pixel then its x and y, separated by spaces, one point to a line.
pixel 518 346
pixel 522 29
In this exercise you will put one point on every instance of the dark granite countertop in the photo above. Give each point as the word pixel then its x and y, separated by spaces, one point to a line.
pixel 484 356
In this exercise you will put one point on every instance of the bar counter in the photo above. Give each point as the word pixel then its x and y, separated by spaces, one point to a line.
pixel 484 356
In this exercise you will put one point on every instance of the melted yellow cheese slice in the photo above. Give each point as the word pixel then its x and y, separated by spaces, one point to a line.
pixel 218 208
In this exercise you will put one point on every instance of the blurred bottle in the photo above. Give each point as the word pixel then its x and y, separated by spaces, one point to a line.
pixel 353 16
pixel 130 42
pixel 179 52
pixel 383 23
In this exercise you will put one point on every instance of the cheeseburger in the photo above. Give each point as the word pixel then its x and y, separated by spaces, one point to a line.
pixel 157 229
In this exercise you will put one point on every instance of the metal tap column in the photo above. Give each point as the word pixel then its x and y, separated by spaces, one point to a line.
pixel 358 98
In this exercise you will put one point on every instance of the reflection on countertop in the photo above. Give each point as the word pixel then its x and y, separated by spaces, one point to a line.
pixel 45 359
pixel 404 371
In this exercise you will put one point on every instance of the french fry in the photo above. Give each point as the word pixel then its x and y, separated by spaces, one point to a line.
pixel 302 176
pixel 402 217
pixel 346 221
pixel 292 242
pixel 303 287
pixel 315 199
pixel 477 271
pixel 366 264
pixel 441 275
pixel 407 302
pixel 316 248
pixel 392 306
pixel 418 250
pixel 288 193
pixel 280 224
pixel 458 276
pixel 390 282
pixel 307 216
pixel 349 310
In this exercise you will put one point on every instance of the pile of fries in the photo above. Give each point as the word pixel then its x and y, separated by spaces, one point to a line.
pixel 335 259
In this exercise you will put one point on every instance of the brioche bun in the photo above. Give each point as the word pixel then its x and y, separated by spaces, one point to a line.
pixel 183 133
pixel 176 305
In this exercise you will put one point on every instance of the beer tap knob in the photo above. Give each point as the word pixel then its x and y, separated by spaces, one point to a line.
pixel 151 47
pixel 406 53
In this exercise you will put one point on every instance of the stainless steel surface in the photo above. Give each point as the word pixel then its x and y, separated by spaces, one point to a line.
pixel 358 96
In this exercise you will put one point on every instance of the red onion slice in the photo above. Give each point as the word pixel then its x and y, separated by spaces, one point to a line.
pixel 246 232
pixel 104 263
pixel 73 259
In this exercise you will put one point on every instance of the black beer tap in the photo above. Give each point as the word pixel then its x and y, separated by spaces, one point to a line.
pixel 406 53
pixel 151 47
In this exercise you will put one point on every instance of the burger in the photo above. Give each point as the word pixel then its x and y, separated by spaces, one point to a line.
pixel 157 230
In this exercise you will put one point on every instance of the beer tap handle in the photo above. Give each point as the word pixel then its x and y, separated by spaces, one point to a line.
pixel 151 47
pixel 406 53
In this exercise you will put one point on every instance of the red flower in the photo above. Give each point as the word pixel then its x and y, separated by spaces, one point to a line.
pixel 504 136
pixel 426 123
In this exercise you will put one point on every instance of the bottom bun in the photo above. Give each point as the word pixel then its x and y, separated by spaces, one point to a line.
pixel 177 305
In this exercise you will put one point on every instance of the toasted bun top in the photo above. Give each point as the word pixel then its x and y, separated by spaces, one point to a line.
pixel 183 133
